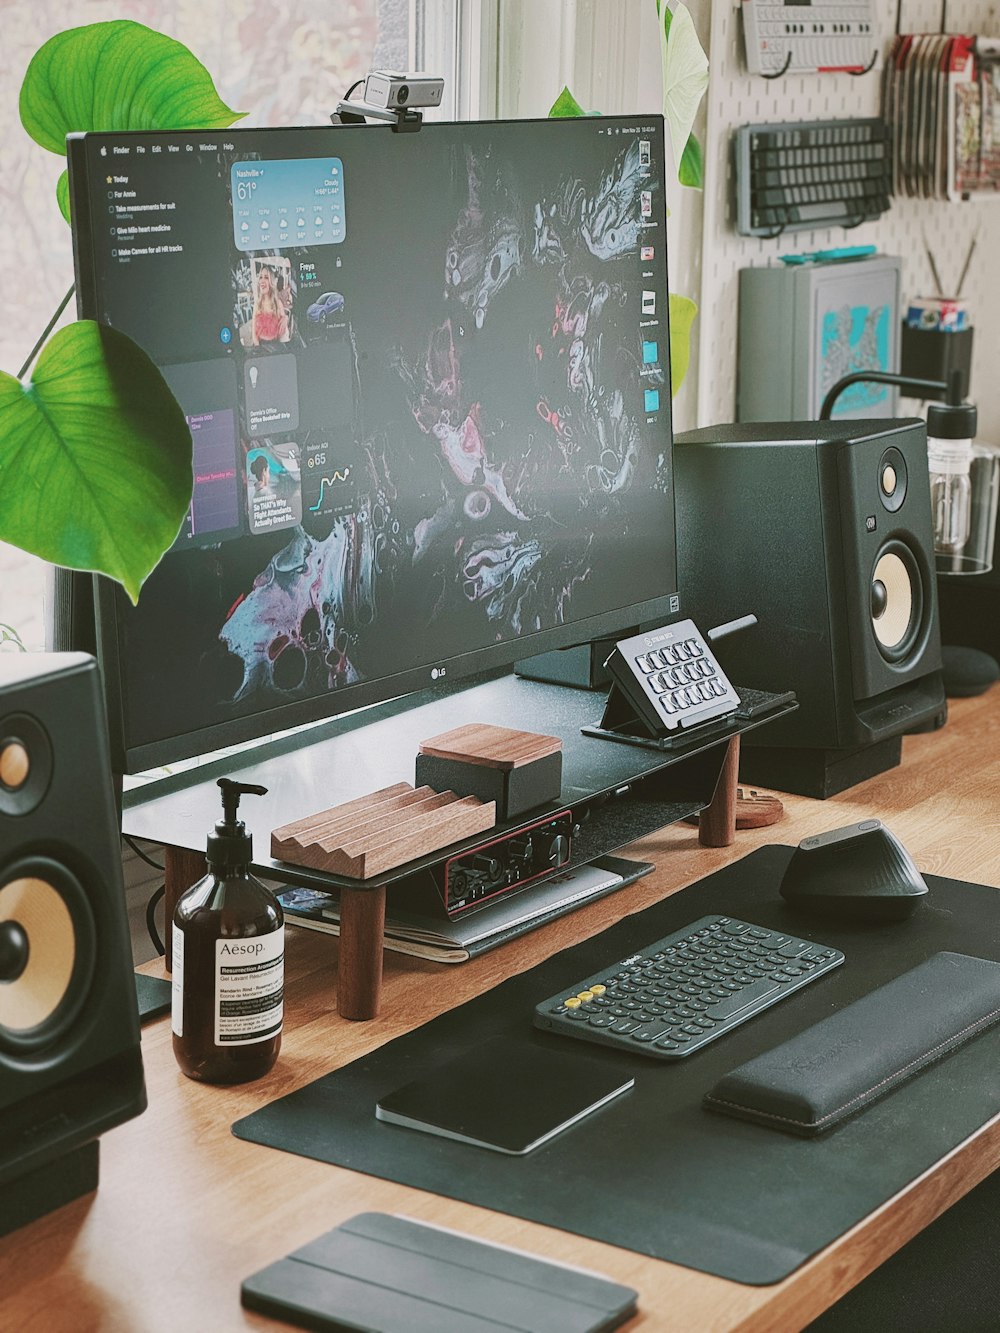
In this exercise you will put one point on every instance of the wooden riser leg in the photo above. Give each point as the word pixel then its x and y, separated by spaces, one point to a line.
pixel 182 869
pixel 717 822
pixel 362 926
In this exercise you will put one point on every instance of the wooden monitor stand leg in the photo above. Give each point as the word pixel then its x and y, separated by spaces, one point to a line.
pixel 717 822
pixel 362 926
pixel 182 868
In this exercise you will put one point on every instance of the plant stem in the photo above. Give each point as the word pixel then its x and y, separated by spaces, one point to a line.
pixel 48 329
pixel 8 634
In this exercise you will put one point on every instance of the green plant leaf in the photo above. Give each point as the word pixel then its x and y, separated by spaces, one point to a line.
pixel 682 313
pixel 691 170
pixel 95 457
pixel 685 74
pixel 62 195
pixel 565 105
pixel 116 76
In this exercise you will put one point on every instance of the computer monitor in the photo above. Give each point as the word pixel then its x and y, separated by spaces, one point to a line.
pixel 427 378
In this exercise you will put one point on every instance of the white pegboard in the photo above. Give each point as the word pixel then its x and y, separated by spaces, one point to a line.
pixel 736 97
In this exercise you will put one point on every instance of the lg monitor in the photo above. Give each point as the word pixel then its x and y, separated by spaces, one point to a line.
pixel 427 379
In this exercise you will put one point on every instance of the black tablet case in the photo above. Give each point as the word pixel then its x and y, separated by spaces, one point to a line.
pixel 376 1273
pixel 656 1173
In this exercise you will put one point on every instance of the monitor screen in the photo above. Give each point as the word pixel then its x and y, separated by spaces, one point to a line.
pixel 427 379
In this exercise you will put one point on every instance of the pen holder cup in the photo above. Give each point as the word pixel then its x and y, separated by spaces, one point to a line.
pixel 976 556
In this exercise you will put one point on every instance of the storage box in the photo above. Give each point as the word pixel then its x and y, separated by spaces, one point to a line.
pixel 519 770
pixel 803 328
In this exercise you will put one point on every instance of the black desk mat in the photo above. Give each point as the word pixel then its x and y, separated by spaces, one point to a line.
pixel 653 1172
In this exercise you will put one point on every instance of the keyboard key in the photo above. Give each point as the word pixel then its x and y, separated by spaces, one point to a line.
pixel 742 998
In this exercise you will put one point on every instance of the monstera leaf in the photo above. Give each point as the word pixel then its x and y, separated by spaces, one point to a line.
pixel 566 105
pixel 116 76
pixel 95 457
pixel 685 78
pixel 682 313
pixel 691 170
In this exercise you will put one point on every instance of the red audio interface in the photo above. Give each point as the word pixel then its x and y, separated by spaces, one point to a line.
pixel 504 863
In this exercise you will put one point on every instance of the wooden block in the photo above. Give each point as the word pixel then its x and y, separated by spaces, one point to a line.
pixel 402 790
pixel 754 809
pixel 491 747
pixel 366 837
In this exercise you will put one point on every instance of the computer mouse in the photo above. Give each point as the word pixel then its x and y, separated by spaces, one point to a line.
pixel 861 872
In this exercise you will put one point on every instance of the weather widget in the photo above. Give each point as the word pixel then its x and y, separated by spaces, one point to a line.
pixel 298 202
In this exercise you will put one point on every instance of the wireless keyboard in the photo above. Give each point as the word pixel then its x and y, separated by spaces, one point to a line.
pixel 806 174
pixel 681 992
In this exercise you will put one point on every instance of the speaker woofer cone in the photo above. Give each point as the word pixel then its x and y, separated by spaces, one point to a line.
pixel 46 914
pixel 897 601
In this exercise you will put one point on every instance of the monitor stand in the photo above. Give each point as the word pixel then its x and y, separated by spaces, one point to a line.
pixel 616 793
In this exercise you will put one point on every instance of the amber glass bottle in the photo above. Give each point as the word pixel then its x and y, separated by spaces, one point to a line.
pixel 228 960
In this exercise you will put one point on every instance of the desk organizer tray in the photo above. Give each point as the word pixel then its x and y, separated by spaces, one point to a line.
pixel 374 833
pixel 657 1173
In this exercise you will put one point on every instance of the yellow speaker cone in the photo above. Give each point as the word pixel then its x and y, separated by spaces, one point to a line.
pixel 35 995
pixel 893 621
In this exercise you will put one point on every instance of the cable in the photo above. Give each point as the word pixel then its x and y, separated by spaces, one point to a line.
pixel 356 84
pixel 151 907
pixel 48 329
pixel 141 854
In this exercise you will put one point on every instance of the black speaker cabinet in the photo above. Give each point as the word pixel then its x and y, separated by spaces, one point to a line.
pixel 823 530
pixel 70 1066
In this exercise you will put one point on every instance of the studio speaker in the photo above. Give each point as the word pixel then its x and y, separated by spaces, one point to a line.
pixel 823 531
pixel 70 1065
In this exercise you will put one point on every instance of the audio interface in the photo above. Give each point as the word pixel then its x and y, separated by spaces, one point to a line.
pixel 504 863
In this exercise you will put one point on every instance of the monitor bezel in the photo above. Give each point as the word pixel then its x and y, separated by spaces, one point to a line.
pixel 109 598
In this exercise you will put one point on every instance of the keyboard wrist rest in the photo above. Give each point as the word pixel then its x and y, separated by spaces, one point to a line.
pixel 842 1064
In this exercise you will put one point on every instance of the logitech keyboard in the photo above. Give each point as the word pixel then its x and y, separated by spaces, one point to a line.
pixel 809 174
pixel 681 992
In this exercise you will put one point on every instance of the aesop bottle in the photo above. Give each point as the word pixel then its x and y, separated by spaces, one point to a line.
pixel 228 960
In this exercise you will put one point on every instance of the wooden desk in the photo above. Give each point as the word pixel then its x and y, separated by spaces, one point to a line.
pixel 184 1210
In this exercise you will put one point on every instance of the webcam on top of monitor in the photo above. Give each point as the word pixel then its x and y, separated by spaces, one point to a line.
pixel 391 96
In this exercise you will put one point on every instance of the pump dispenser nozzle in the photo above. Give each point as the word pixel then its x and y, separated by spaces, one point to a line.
pixel 230 845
